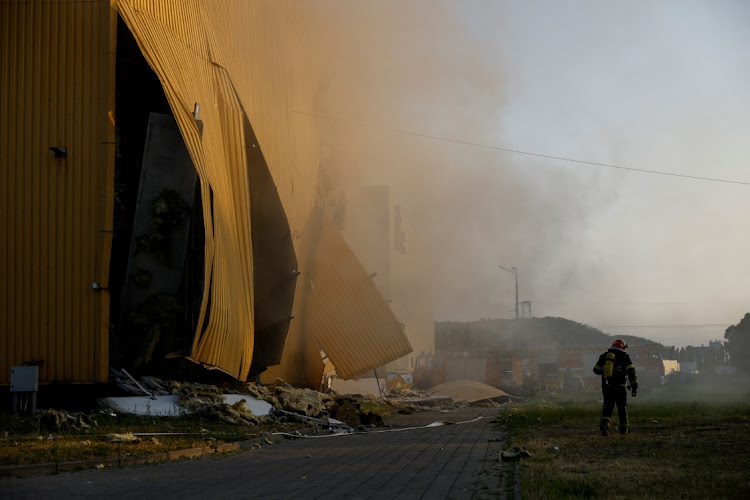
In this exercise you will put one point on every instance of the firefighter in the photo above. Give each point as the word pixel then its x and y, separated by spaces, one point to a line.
pixel 616 369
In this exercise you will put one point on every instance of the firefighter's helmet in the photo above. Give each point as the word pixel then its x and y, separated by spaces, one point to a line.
pixel 619 344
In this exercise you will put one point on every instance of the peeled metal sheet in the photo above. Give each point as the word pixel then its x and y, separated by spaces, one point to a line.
pixel 350 319
pixel 249 63
pixel 216 141
pixel 342 314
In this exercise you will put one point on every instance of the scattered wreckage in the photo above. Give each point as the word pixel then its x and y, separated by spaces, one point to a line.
pixel 279 401
pixel 251 405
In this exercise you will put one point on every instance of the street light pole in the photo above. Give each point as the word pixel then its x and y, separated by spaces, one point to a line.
pixel 515 273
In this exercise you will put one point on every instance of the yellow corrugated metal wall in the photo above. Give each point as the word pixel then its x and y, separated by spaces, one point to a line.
pixel 56 90
pixel 260 53
pixel 219 154
pixel 347 316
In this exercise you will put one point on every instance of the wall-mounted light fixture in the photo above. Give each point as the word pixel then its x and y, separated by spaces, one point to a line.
pixel 59 152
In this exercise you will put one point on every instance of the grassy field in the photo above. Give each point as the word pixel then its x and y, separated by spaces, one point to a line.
pixel 23 440
pixel 677 448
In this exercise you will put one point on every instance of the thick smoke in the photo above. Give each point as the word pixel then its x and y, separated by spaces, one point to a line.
pixel 608 85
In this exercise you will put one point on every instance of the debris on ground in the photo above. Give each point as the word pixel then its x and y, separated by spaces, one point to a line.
pixel 56 420
pixel 304 401
pixel 251 405
pixel 349 410
pixel 155 385
pixel 470 391
pixel 128 437
pixel 208 401
pixel 395 384
pixel 514 453
pixel 188 398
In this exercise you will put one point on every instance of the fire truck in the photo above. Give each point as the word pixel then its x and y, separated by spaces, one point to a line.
pixel 529 369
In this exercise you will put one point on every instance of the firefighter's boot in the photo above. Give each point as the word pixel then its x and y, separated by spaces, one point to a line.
pixel 604 427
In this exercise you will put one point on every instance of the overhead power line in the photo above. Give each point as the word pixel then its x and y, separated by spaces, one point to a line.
pixel 665 326
pixel 538 155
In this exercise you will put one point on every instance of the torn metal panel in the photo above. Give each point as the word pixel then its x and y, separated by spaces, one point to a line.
pixel 217 146
pixel 275 267
pixel 301 363
pixel 348 317
pixel 340 311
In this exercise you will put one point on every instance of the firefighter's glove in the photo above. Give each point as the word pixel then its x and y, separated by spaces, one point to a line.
pixel 634 392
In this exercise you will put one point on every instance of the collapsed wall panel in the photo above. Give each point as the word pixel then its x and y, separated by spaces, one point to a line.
pixel 247 62
pixel 350 319
pixel 343 314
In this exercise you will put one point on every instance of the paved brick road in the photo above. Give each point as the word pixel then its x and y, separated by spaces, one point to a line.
pixel 450 461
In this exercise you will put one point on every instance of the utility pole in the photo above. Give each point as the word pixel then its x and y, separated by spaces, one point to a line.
pixel 515 273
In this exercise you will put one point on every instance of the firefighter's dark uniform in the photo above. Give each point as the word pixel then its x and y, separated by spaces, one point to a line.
pixel 614 390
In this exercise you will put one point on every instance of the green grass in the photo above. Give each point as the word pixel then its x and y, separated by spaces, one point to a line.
pixel 24 441
pixel 675 449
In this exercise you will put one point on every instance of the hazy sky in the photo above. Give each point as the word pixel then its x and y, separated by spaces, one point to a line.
pixel 661 86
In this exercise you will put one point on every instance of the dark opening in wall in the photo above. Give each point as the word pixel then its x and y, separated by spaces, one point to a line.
pixel 137 94
pixel 141 336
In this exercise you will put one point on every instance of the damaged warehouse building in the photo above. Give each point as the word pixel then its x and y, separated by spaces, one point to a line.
pixel 167 207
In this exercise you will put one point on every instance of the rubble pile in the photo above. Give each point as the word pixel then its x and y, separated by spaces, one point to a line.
pixel 157 386
pixel 348 409
pixel 207 401
pixel 57 420
pixel 304 401
pixel 315 404
pixel 288 402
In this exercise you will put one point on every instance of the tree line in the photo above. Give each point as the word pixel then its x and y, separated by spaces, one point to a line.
pixel 734 351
